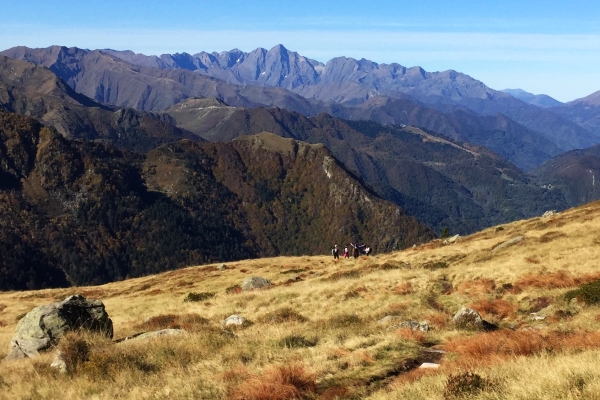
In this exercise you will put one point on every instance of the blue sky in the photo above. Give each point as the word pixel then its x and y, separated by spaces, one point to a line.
pixel 550 47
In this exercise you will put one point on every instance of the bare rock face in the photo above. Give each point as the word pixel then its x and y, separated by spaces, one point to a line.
pixel 42 327
pixel 255 282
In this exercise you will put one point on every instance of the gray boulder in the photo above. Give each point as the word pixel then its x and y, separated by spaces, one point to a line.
pixel 234 320
pixel 41 328
pixel 467 318
pixel 221 267
pixel 255 282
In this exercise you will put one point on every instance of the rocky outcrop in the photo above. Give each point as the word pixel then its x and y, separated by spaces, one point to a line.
pixel 255 282
pixel 42 328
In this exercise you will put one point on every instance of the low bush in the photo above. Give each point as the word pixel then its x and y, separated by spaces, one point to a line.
pixel 589 293
pixel 233 289
pixel 194 297
pixel 189 322
pixel 294 271
pixel 465 384
pixel 351 274
pixel 343 320
pixel 435 265
pixel 296 341
pixel 75 350
pixel 282 315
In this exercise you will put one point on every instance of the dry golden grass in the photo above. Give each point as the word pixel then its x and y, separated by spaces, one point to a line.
pixel 318 337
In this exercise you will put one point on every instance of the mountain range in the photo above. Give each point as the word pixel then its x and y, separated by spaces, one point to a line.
pixel 468 188
pixel 115 164
pixel 449 103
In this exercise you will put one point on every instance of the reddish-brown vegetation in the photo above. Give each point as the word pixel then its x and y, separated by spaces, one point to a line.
pixel 283 382
pixel 498 307
pixel 403 289
pixel 477 287
pixel 490 348
pixel 554 280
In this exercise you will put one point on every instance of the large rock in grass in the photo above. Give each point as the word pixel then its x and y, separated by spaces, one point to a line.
pixel 255 282
pixel 467 318
pixel 41 328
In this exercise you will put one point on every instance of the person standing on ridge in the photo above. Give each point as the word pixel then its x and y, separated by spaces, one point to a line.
pixel 355 250
pixel 346 255
pixel 335 252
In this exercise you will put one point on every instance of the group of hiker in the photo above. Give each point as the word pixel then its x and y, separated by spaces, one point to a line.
pixel 356 250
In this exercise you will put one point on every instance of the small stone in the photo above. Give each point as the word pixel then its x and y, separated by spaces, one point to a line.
pixel 221 267
pixel 429 365
pixel 59 362
pixel 537 317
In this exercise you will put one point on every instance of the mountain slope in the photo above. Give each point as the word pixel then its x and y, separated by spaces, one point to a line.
pixel 351 82
pixel 584 112
pixel 576 173
pixel 35 91
pixel 93 214
pixel 540 100
pixel 441 182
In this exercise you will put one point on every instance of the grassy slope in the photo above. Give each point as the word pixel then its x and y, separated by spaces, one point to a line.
pixel 345 355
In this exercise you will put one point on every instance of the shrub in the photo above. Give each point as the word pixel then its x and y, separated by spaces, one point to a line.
pixel 435 265
pixel 351 274
pixel 465 384
pixel 294 271
pixel 282 315
pixel 233 289
pixel 295 341
pixel 589 293
pixel 387 266
pixel 189 322
pixel 343 320
pixel 75 350
pixel 194 297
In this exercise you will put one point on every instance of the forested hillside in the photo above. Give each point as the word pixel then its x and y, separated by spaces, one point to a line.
pixel 79 212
